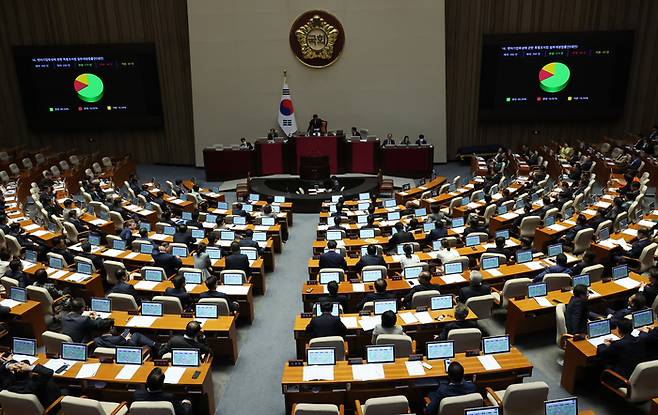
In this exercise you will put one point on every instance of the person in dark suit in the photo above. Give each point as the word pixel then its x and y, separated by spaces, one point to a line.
pixel 73 219
pixel 192 339
pixel 122 286
pixel 401 236
pixel 636 302
pixel 163 258
pixel 333 296
pixel 182 236
pixel 95 259
pixel 379 294
pixel 455 386
pixel 236 260
pixel 559 267
pixel 23 378
pixel 424 284
pixel 314 125
pixel 245 145
pixel 15 271
pixel 154 393
pixel 624 354
pixel 461 313
pixel 336 226
pixel 331 258
pixel 589 259
pixel 60 248
pixel 499 248
pixel 421 140
pixel 643 240
pixel 248 241
pixel 650 290
pixel 388 141
pixel 581 223
pixel 474 225
pixel 326 324
pixel 577 311
pixel 238 211
pixel 475 289
pixel 78 327
pixel 370 259
pixel 212 292
pixel 111 338
pixel 439 231
pixel 178 291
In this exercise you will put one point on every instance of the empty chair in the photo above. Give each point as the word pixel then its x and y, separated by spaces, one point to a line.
pixel 403 343
pixel 96 168
pixel 316 409
pixel 49 307
pixel 83 406
pixel 14 170
pixel 520 398
pixel 528 226
pixel 595 272
pixel 550 212
pixel 52 341
pixel 57 256
pixel 456 405
pixel 566 206
pixel 423 298
pixel 55 171
pixel 170 304
pixel 489 212
pixel 75 161
pixel 72 233
pixel 616 226
pixel 4 156
pixel 641 386
pixel 117 219
pixel 561 334
pixel 64 165
pixel 107 162
pixel 582 240
pixel 152 408
pixel 389 405
pixel 123 302
pixel 465 339
pixel 477 195
pixel 13 403
pixel 481 305
pixel 39 158
pixel 336 342
pixel 555 281
pixel 4 177
pixel 603 225
pixel 8 283
pixel 223 308
pixel 512 288
pixel 27 163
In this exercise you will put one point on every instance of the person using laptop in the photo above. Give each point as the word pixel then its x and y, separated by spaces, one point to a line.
pixel 499 248
pixel 456 385
pixel 179 291
pixel 475 288
pixel 408 259
pixel 624 354
pixel 163 258
pixel 127 232
pixel 202 261
pixel 192 339
pixel 60 248
pixel 371 258
pixel 15 271
pixel 387 326
pixel 424 284
pixel 111 338
pixel 237 261
pixel 23 378
pixel 73 219
pixel 326 324
pixel 41 280
pixel 547 205
pixel 461 314
pixel 331 258
pixel 153 392
pixel 333 296
pixel 95 259
pixel 401 236
pixel 248 241
pixel 77 326
pixel 122 286
pixel 182 236
pixel 439 231
pixel 212 292
pixel 559 267
pixel 636 302
pixel 379 294
pixel 194 222
pixel 643 240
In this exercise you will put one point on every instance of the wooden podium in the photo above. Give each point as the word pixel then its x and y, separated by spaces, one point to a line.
pixel 314 168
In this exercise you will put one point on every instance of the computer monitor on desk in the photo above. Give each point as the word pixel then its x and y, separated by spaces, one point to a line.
pixel 489 410
pixel 74 351
pixel 380 354
pixel 321 356
pixel 128 355
pixel 185 357
pixel 440 349
pixel 567 406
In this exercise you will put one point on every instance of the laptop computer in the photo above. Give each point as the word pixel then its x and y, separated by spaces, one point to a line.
pixel 495 344
pixel 185 357
pixel 598 328
pixel 380 354
pixel 440 349
pixel 382 306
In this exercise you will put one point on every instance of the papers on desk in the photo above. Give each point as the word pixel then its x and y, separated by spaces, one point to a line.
pixel 141 321
pixel 646 223
pixel 132 255
pixel 509 215
pixel 494 272
pixel 424 317
pixel 543 302
pixel 372 371
pixel 158 237
pixel 519 211
pixel 88 370
pixel 58 274
pixel 473 205
pixel 630 232
pixel 23 358
pixel 176 201
pixel 358 287
pixel 600 340
pixel 146 285
pixel 98 314
pixel 496 196
pixel 190 287
pixel 408 318
pixel 534 266
pixel 127 372
pixel 55 364
pixel 610 243
pixel 144 212
pixel 31 227
pixel 602 205
pixel 368 323
pixel 25 264
pixel 415 368
pixel 77 277
pixel 557 227
pixel 589 212
pixel 323 227
pixel 98 222
pixel 452 279
pixel 113 252
pixel 628 283
pixel 173 374
pixel 318 373
pixel 397 258
pixel 261 228
pixel 569 222
pixel 9 303
pixel 350 322
pixel 489 362
pixel 40 233
pixel 459 230
pixel 233 289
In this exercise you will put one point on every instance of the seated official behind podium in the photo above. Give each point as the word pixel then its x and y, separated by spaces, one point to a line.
pixel 154 393
pixel 245 145
pixel 379 294
pixel 624 354
pixel 387 326
pixel 405 141
pixel 326 324
pixel 333 296
pixel 475 289
pixel 371 258
pixel 331 258
pixel 424 284
pixel 315 125
pixel 455 386
pixel 388 141
pixel 421 140
pixel 272 134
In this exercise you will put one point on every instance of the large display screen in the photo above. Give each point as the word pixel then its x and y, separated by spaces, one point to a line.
pixel 87 87
pixel 551 76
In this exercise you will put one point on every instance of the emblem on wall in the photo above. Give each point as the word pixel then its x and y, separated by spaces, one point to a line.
pixel 317 38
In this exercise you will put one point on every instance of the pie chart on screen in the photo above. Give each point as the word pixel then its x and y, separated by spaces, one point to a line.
pixel 89 87
pixel 554 77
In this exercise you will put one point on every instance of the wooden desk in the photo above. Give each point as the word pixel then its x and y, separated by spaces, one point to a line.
pixel 445 198
pixel 220 333
pixel 27 320
pixel 358 339
pixel 344 389
pixel 91 286
pixel 415 193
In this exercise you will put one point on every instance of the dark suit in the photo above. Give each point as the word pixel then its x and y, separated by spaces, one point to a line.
pixel 502 251
pixel 122 287
pixel 95 259
pixel 184 238
pixel 182 295
pixel 555 269
pixel 136 339
pixel 637 247
pixel 39 382
pixel 400 238
pixel 373 297
pixel 332 259
pixel 167 261
pixel 218 294
pixel 314 124
pixel 477 228
pixel 576 314
pixel 650 341
pixel 457 324
pixel 446 390
pixel 650 293
pixel 437 233
pixel 68 257
pixel 160 396
pixel 369 260
pixel 326 325
pixel 239 262
pixel 340 299
pixel 78 327
pixel 571 234
pixel 622 355
pixel 416 289
pixel 179 341
pixel 467 292
pixel 250 243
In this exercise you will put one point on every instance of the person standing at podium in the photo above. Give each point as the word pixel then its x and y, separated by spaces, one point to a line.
pixel 314 125
pixel 272 134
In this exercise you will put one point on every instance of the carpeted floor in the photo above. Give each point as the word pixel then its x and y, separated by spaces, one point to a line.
pixel 253 386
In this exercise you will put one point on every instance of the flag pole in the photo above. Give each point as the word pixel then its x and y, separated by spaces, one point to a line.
pixel 285 75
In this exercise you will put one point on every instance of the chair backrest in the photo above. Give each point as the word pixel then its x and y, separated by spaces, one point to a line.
pixel 456 405
pixel 549 212
pixel 8 283
pixel 555 281
pixel 484 237
pixel 528 226
pixel 477 195
pixel 603 225
pixel 223 307
pixel 117 219
pixel 81 406
pixel 111 268
pixel 423 298
pixel 315 409
pixel 122 302
pixel 170 304
pixel 560 323
pixel 525 398
pixel 381 268
pixel 481 305
pixel 74 160
pixel 13 168
pixel 566 206
pixel 465 339
pixel 107 162
pixel 620 217
pixel 647 257
pixel 13 246
pixel 595 272
pixel 58 256
pixel 643 385
pixel 336 342
pixel 42 296
pixel 64 165
pixel 386 405
pixel 71 232
pixel 489 212
pixel 582 240
pixel 4 177
pixel 515 288
pixel 13 403
pixel 27 163
pixel 104 352
pixel 97 168
pixel 152 408
pixel 52 341
pixel 402 343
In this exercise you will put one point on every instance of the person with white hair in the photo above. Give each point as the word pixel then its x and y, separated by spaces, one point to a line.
pixel 475 288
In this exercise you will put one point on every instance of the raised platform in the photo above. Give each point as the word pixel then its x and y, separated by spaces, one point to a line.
pixel 311 203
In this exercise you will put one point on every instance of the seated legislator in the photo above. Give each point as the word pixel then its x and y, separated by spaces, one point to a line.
pixel 461 313
pixel 331 258
pixel 238 261
pixel 454 386
pixel 439 231
pixel 387 326
pixel 388 141
pixel 122 286
pixel 182 236
pixel 154 393
pixel 326 324
pixel 179 291
pixel 77 326
pixel 23 378
pixel 379 294
pixel 446 253
pixel 408 258
pixel 371 258
pixel 95 259
pixel 636 302
pixel 499 248
pixel 474 225
pixel 41 280
pixel 192 339
pixel 424 284
pixel 212 292
pixel 111 338
pixel 650 290
pixel 559 267
pixel 475 288
pixel 624 354
pixel 333 296
pixel 248 241
pixel 399 237
pixel 163 258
